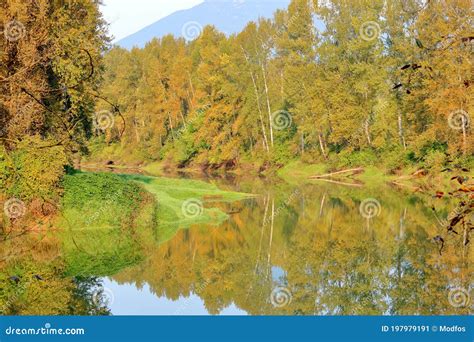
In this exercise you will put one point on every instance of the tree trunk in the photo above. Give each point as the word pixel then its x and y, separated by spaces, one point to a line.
pixel 137 133
pixel 464 135
pixel 400 131
pixel 264 132
pixel 182 117
pixel 367 133
pixel 191 84
pixel 268 102
pixel 322 205
pixel 257 95
pixel 321 145
pixel 171 125
pixel 302 143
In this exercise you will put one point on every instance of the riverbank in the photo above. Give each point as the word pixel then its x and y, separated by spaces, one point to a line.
pixel 414 178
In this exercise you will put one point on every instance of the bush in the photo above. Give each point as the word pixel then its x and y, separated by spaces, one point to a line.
pixel 103 196
pixel 435 160
pixel 395 158
pixel 362 158
pixel 33 170
pixel 6 168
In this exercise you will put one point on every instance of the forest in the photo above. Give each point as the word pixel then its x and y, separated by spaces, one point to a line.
pixel 121 163
pixel 383 83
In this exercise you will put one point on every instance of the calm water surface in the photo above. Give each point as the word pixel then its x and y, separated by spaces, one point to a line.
pixel 317 249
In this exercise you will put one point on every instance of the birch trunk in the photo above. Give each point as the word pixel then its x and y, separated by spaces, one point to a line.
pixel 268 102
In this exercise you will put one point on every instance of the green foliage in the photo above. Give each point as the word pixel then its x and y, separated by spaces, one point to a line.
pixel 99 221
pixel 5 168
pixel 99 252
pixel 101 198
pixel 31 296
pixel 34 169
pixel 362 158
pixel 394 158
pixel 435 160
pixel 105 217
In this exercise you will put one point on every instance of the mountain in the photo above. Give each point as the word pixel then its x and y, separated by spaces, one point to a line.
pixel 229 16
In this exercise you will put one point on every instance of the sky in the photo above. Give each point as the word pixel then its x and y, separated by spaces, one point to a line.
pixel 129 16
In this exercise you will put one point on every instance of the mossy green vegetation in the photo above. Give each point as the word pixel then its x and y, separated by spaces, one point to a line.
pixel 107 217
pixel 98 220
pixel 185 202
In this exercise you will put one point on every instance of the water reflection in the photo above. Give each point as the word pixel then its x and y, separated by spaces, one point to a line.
pixel 305 250
pixel 313 243
pixel 142 301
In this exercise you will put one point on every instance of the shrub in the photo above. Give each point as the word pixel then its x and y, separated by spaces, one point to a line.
pixel 394 158
pixel 435 160
pixel 6 168
pixel 33 170
pixel 362 158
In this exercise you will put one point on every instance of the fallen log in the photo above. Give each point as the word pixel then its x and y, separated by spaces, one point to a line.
pixel 331 174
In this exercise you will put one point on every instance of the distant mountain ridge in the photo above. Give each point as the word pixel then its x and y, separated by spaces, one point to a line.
pixel 229 16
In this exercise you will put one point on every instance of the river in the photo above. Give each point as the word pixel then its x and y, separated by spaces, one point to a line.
pixel 312 249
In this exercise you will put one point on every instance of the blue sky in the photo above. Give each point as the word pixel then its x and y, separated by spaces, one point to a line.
pixel 129 16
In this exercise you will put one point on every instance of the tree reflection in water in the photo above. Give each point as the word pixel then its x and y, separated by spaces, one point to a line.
pixel 293 251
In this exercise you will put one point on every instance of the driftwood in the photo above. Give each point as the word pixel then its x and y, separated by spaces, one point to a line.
pixel 329 175
pixel 358 185
pixel 399 184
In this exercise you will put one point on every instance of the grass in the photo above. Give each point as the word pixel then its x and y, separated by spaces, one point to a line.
pixel 297 171
pixel 183 202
